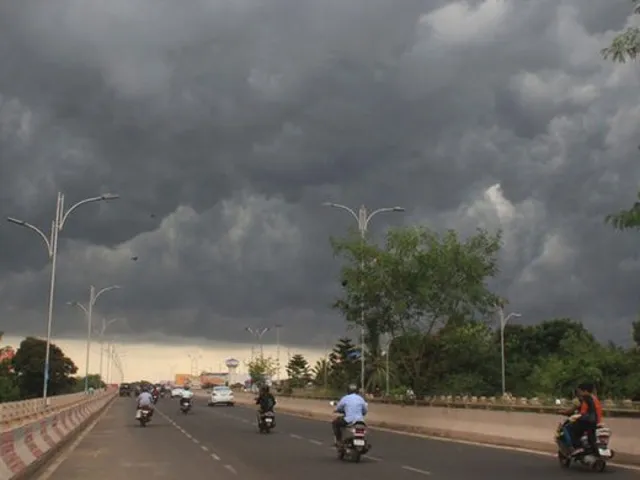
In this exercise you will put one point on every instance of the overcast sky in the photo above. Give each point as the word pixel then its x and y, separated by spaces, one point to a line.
pixel 225 124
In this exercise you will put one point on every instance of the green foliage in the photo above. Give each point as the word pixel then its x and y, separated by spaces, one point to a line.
pixel 636 332
pixel 261 368
pixel 298 371
pixel 343 370
pixel 9 391
pixel 625 46
pixel 29 368
pixel 95 382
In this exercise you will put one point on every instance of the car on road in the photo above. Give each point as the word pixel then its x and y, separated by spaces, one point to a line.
pixel 177 392
pixel 221 396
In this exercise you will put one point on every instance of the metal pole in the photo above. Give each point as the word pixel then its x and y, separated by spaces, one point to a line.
pixel 92 294
pixel 55 229
pixel 503 324
pixel 387 374
pixel 278 350
pixel 101 356
pixel 363 217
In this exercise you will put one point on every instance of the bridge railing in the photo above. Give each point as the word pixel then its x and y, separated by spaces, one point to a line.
pixel 13 414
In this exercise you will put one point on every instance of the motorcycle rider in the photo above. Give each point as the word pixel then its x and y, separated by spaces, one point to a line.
pixel 145 400
pixel 155 394
pixel 186 394
pixel 353 408
pixel 266 401
pixel 586 420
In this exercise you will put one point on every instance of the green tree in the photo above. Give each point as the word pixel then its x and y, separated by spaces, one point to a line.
pixel 343 368
pixel 29 367
pixel 262 369
pixel 321 371
pixel 635 326
pixel 418 282
pixel 9 391
pixel 95 382
pixel 298 371
pixel 624 47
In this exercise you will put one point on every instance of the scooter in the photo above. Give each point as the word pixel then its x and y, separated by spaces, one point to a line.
pixel 354 442
pixel 266 422
pixel 587 457
pixel 143 415
pixel 185 405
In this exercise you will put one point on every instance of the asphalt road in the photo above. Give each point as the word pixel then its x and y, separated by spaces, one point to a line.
pixel 223 443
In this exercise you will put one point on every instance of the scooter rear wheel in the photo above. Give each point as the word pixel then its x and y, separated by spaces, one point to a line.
pixel 599 465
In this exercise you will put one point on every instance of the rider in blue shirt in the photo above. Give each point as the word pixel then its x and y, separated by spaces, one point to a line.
pixel 353 407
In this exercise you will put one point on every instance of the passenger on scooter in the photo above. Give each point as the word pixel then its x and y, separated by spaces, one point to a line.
pixel 266 401
pixel 586 420
pixel 145 400
pixel 353 407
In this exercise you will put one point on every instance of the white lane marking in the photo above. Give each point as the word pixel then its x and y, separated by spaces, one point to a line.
pixel 69 450
pixel 415 470
pixel 375 459
pixel 194 440
pixel 315 442
pixel 297 437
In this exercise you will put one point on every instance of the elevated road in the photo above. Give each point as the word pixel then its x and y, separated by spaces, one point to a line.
pixel 223 443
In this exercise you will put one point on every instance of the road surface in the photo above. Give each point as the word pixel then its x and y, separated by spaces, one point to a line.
pixel 223 443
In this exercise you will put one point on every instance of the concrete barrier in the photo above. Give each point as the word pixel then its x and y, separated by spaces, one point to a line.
pixel 14 414
pixel 26 448
pixel 513 429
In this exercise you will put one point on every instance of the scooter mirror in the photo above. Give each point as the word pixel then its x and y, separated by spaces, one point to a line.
pixel 332 403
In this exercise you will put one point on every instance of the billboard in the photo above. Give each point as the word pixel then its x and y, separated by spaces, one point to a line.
pixel 182 379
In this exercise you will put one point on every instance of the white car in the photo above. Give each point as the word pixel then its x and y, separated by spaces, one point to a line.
pixel 221 396
pixel 177 392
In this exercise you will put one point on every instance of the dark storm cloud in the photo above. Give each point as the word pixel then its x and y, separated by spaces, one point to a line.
pixel 224 125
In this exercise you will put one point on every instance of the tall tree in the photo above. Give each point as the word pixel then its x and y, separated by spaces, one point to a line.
pixel 344 367
pixel 29 367
pixel 416 284
pixel 298 371
pixel 261 369
pixel 625 46
pixel 636 332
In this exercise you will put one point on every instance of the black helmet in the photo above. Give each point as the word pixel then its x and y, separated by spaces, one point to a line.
pixel 352 388
pixel 265 389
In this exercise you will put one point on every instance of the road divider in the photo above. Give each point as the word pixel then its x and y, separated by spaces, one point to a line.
pixel 25 448
pixel 533 431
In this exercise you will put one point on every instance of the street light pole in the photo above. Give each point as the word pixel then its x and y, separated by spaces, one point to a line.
pixel 258 334
pixel 503 324
pixel 93 297
pixel 105 324
pixel 51 243
pixel 363 217
pixel 388 350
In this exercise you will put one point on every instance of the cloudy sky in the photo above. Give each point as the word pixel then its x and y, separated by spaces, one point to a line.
pixel 225 124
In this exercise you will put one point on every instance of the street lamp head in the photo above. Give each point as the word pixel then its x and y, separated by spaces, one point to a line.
pixel 398 209
pixel 328 204
pixel 16 221
pixel 516 315
pixel 109 196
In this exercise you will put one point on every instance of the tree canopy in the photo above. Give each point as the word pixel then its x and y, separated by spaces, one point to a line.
pixel 625 46
pixel 298 371
pixel 261 369
pixel 29 368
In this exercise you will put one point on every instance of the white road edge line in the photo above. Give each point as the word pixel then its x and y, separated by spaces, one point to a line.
pixel 315 442
pixel 51 469
pixel 231 469
pixel 415 470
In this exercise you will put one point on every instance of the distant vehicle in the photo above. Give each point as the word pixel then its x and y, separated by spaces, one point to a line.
pixel 221 396
pixel 124 390
pixel 177 392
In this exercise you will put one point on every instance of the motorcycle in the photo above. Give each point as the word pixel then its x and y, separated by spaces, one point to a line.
pixel 586 457
pixel 354 442
pixel 185 405
pixel 155 398
pixel 143 415
pixel 266 422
